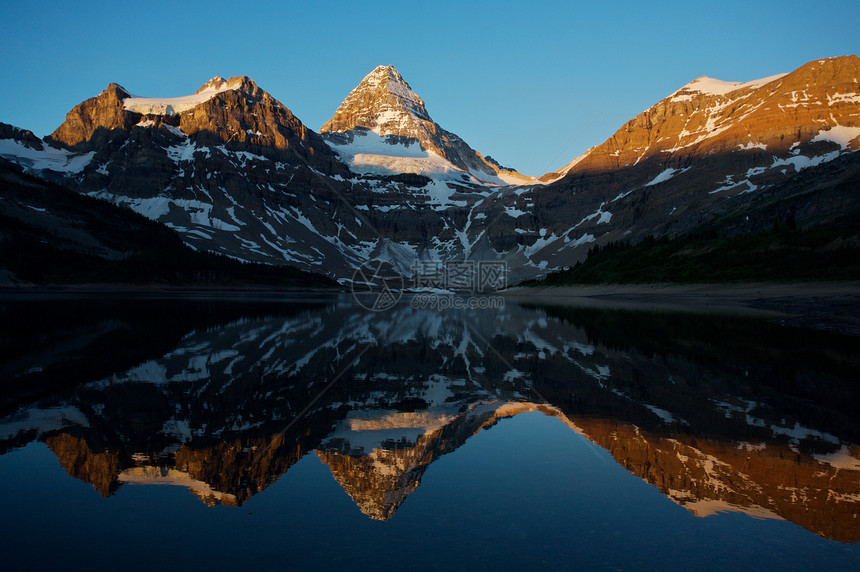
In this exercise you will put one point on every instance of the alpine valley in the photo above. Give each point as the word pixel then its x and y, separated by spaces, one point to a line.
pixel 234 172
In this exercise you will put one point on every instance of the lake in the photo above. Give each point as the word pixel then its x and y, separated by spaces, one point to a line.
pixel 308 432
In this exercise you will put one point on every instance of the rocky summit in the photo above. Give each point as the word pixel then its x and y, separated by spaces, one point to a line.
pixel 235 172
pixel 383 126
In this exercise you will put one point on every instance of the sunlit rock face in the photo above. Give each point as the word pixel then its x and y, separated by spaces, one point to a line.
pixel 233 112
pixel 719 414
pixel 100 469
pixel 734 155
pixel 781 115
pixel 384 105
pixel 229 168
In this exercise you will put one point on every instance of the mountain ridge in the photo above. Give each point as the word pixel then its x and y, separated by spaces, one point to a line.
pixel 239 174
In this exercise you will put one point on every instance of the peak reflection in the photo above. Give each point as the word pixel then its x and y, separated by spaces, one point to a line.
pixel 718 413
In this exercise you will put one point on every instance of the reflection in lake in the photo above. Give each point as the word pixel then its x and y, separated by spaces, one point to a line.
pixel 722 415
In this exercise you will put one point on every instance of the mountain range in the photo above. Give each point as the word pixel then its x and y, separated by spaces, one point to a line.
pixel 233 171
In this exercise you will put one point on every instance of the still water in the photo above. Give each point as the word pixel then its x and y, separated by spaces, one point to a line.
pixel 307 432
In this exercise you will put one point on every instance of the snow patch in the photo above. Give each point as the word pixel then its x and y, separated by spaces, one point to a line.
pixel 42 421
pixel 841 459
pixel 48 159
pixel 514 212
pixel 749 146
pixel 601 215
pixel 839 134
pixel 663 177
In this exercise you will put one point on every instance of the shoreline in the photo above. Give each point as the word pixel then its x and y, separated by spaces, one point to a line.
pixel 156 289
pixel 825 306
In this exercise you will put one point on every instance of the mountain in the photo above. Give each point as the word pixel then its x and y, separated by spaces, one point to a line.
pixel 230 168
pixel 383 127
pixel 51 235
pixel 756 152
pixel 233 171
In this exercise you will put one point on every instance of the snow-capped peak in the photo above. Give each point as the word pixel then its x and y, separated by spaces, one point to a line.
pixel 177 105
pixel 384 104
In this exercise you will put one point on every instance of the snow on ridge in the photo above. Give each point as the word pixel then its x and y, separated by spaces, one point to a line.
pixel 709 507
pixel 432 166
pixel 711 86
pixel 371 143
pixel 42 421
pixel 512 180
pixel 841 459
pixel 176 105
pixel 150 475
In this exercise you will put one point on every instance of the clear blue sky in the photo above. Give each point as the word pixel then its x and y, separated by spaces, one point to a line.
pixel 532 84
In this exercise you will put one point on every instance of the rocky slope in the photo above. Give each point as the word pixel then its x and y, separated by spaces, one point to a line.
pixel 52 235
pixel 230 168
pixel 709 150
pixel 233 171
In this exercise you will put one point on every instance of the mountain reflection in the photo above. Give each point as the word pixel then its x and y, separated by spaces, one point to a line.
pixel 718 413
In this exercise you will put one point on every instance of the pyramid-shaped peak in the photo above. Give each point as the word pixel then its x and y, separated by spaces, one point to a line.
pixel 385 73
pixel 388 79
pixel 384 103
